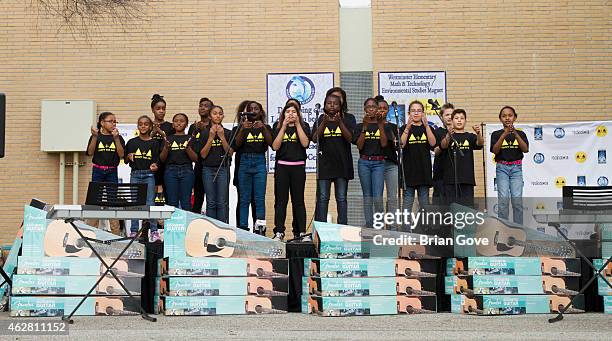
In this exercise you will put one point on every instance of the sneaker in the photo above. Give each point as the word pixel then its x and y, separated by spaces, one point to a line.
pixel 260 227
pixel 132 234
pixel 305 238
pixel 154 237
pixel 279 236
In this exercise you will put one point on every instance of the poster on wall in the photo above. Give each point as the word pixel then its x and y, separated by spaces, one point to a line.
pixel 572 154
pixel 309 89
pixel 428 87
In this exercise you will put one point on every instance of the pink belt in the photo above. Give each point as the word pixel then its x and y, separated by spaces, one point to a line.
pixel 103 167
pixel 291 163
pixel 510 163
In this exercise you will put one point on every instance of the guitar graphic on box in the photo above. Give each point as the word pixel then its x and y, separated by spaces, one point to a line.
pixel 205 239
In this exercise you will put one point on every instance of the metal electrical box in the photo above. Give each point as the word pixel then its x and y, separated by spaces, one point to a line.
pixel 65 125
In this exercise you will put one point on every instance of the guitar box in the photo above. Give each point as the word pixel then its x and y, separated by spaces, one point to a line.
pixel 372 267
pixel 74 266
pixel 513 304
pixel 221 305
pixel 369 286
pixel 188 234
pixel 223 286
pixel 73 285
pixel 504 285
pixel 520 266
pixel 57 306
pixel 368 305
pixel 606 232
pixel 603 289
pixel 10 263
pixel 44 237
pixel 606 249
pixel 222 267
pixel 607 304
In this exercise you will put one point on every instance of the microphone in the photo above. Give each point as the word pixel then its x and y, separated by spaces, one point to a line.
pixel 434 104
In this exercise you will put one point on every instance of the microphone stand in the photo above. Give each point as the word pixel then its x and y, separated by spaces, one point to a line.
pixel 229 145
pixel 401 181
pixel 455 149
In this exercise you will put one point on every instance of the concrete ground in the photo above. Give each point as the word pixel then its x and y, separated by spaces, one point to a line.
pixel 293 326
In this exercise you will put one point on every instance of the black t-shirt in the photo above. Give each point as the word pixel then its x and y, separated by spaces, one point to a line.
pixel 438 165
pixel 510 150
pixel 291 149
pixel 371 143
pixel 177 154
pixel 253 142
pixel 390 151
pixel 105 153
pixel 166 127
pixel 192 128
pixel 417 157
pixel 216 152
pixel 145 153
pixel 335 159
pixel 465 164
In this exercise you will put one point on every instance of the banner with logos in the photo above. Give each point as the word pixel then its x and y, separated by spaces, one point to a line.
pixel 309 89
pixel 573 154
pixel 428 87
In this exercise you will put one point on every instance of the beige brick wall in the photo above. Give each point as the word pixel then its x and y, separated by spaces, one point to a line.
pixel 184 50
pixel 549 59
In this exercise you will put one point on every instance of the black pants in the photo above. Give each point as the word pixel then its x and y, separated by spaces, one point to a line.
pixel 289 179
pixel 198 189
pixel 464 195
pixel 438 196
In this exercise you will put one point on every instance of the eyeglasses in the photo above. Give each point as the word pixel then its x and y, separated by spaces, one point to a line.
pixel 109 121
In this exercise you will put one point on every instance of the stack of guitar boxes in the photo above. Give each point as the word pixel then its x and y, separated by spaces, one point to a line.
pixel 347 280
pixel 606 251
pixel 513 285
pixel 210 268
pixel 56 269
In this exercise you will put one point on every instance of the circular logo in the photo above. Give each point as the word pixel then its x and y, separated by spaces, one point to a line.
pixel 538 158
pixel 601 131
pixel 602 181
pixel 300 88
pixel 581 157
pixel 559 133
pixel 560 181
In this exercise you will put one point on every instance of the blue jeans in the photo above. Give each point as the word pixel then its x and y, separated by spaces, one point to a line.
pixel 340 188
pixel 391 176
pixel 217 192
pixel 179 180
pixel 510 187
pixel 372 179
pixel 423 195
pixel 144 177
pixel 104 175
pixel 252 178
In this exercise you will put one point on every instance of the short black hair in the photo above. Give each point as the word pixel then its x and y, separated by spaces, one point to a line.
pixel 507 107
pixel 458 111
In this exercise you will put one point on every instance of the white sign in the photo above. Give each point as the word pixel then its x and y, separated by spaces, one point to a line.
pixel 309 89
pixel 572 154
pixel 428 87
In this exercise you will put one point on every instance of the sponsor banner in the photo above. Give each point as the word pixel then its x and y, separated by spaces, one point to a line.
pixel 309 89
pixel 428 87
pixel 560 154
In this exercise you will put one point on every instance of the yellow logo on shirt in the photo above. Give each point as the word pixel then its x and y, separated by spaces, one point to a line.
pixel 372 135
pixel 290 138
pixel 332 133
pixel 255 139
pixel 216 143
pixel 509 145
pixel 417 139
pixel 178 146
pixel 106 148
pixel 143 155
pixel 464 145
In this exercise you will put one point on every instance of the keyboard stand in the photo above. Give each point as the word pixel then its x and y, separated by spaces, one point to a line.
pixel 73 212
pixel 559 316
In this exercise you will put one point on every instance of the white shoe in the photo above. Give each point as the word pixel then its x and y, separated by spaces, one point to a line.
pixel 279 236
pixel 305 238
pixel 260 227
